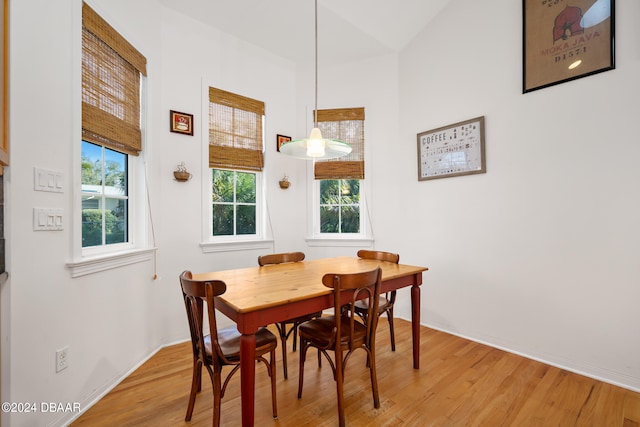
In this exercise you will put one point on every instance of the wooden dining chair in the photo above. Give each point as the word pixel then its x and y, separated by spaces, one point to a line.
pixel 214 349
pixel 344 332
pixel 290 326
pixel 385 305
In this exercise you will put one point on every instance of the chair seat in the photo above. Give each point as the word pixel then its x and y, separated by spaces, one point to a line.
pixel 229 341
pixel 363 304
pixel 320 331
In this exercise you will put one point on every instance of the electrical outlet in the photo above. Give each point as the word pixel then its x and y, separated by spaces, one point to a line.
pixel 62 359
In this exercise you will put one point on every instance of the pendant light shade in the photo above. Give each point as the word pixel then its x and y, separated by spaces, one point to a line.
pixel 316 147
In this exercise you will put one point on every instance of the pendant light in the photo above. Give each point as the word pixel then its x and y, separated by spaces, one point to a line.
pixel 316 147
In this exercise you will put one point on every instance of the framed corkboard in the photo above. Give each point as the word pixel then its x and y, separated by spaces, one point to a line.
pixel 452 150
pixel 565 40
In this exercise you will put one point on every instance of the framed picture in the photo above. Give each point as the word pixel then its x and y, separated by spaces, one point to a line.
pixel 453 150
pixel 281 139
pixel 181 122
pixel 565 40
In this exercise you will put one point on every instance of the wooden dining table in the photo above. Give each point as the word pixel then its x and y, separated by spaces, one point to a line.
pixel 259 296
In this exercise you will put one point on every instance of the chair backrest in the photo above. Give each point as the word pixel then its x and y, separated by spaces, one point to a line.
pixel 280 258
pixel 349 288
pixel 195 294
pixel 379 255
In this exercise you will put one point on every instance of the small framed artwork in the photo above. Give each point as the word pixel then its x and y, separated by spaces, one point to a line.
pixel 452 150
pixel 181 122
pixel 566 41
pixel 281 139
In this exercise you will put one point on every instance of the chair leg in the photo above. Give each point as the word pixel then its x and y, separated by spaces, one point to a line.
pixel 284 358
pixel 391 331
pixel 340 386
pixel 282 331
pixel 374 380
pixel 217 397
pixel 295 336
pixel 195 388
pixel 302 356
pixel 272 374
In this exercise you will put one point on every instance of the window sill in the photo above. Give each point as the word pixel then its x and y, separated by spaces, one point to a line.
pixel 110 261
pixel 339 242
pixel 208 247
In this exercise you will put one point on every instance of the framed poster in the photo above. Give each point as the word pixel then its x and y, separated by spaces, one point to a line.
pixel 566 39
pixel 453 150
pixel 181 122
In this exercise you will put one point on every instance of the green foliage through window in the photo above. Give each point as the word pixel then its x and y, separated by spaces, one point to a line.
pixel 340 206
pixel 233 202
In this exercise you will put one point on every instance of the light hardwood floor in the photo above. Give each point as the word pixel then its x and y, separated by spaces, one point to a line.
pixel 459 383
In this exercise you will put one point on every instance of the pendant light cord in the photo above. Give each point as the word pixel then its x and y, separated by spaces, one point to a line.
pixel 315 112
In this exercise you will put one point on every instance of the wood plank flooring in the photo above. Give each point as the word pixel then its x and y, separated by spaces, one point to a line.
pixel 459 383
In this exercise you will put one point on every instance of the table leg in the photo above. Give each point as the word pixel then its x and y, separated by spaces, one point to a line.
pixel 415 324
pixel 247 377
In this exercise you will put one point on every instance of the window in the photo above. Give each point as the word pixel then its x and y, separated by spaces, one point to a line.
pixel 234 203
pixel 109 215
pixel 236 161
pixel 337 201
pixel 112 76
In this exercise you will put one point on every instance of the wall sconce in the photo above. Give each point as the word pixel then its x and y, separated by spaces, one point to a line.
pixel 284 182
pixel 181 174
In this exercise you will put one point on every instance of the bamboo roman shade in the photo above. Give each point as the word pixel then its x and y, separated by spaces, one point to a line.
pixel 344 124
pixel 235 131
pixel 111 70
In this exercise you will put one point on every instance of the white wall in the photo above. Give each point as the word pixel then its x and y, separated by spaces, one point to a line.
pixel 540 254
pixel 112 321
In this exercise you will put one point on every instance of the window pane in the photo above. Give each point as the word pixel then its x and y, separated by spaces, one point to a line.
pixel 104 175
pixel 115 221
pixel 246 187
pixel 246 219
pixel 223 220
pixel 349 192
pixel 91 167
pixel 222 189
pixel 350 219
pixel 340 206
pixel 91 221
pixel 329 219
pixel 115 174
pixel 329 191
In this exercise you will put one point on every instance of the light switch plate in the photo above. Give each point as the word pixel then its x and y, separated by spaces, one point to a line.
pixel 48 219
pixel 47 180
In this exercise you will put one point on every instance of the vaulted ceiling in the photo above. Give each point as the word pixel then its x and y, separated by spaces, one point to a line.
pixel 347 29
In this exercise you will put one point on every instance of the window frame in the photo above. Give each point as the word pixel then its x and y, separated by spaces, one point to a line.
pixel 140 247
pixel 317 238
pixel 210 243
pixel 259 222
pixel 362 239
pixel 131 215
